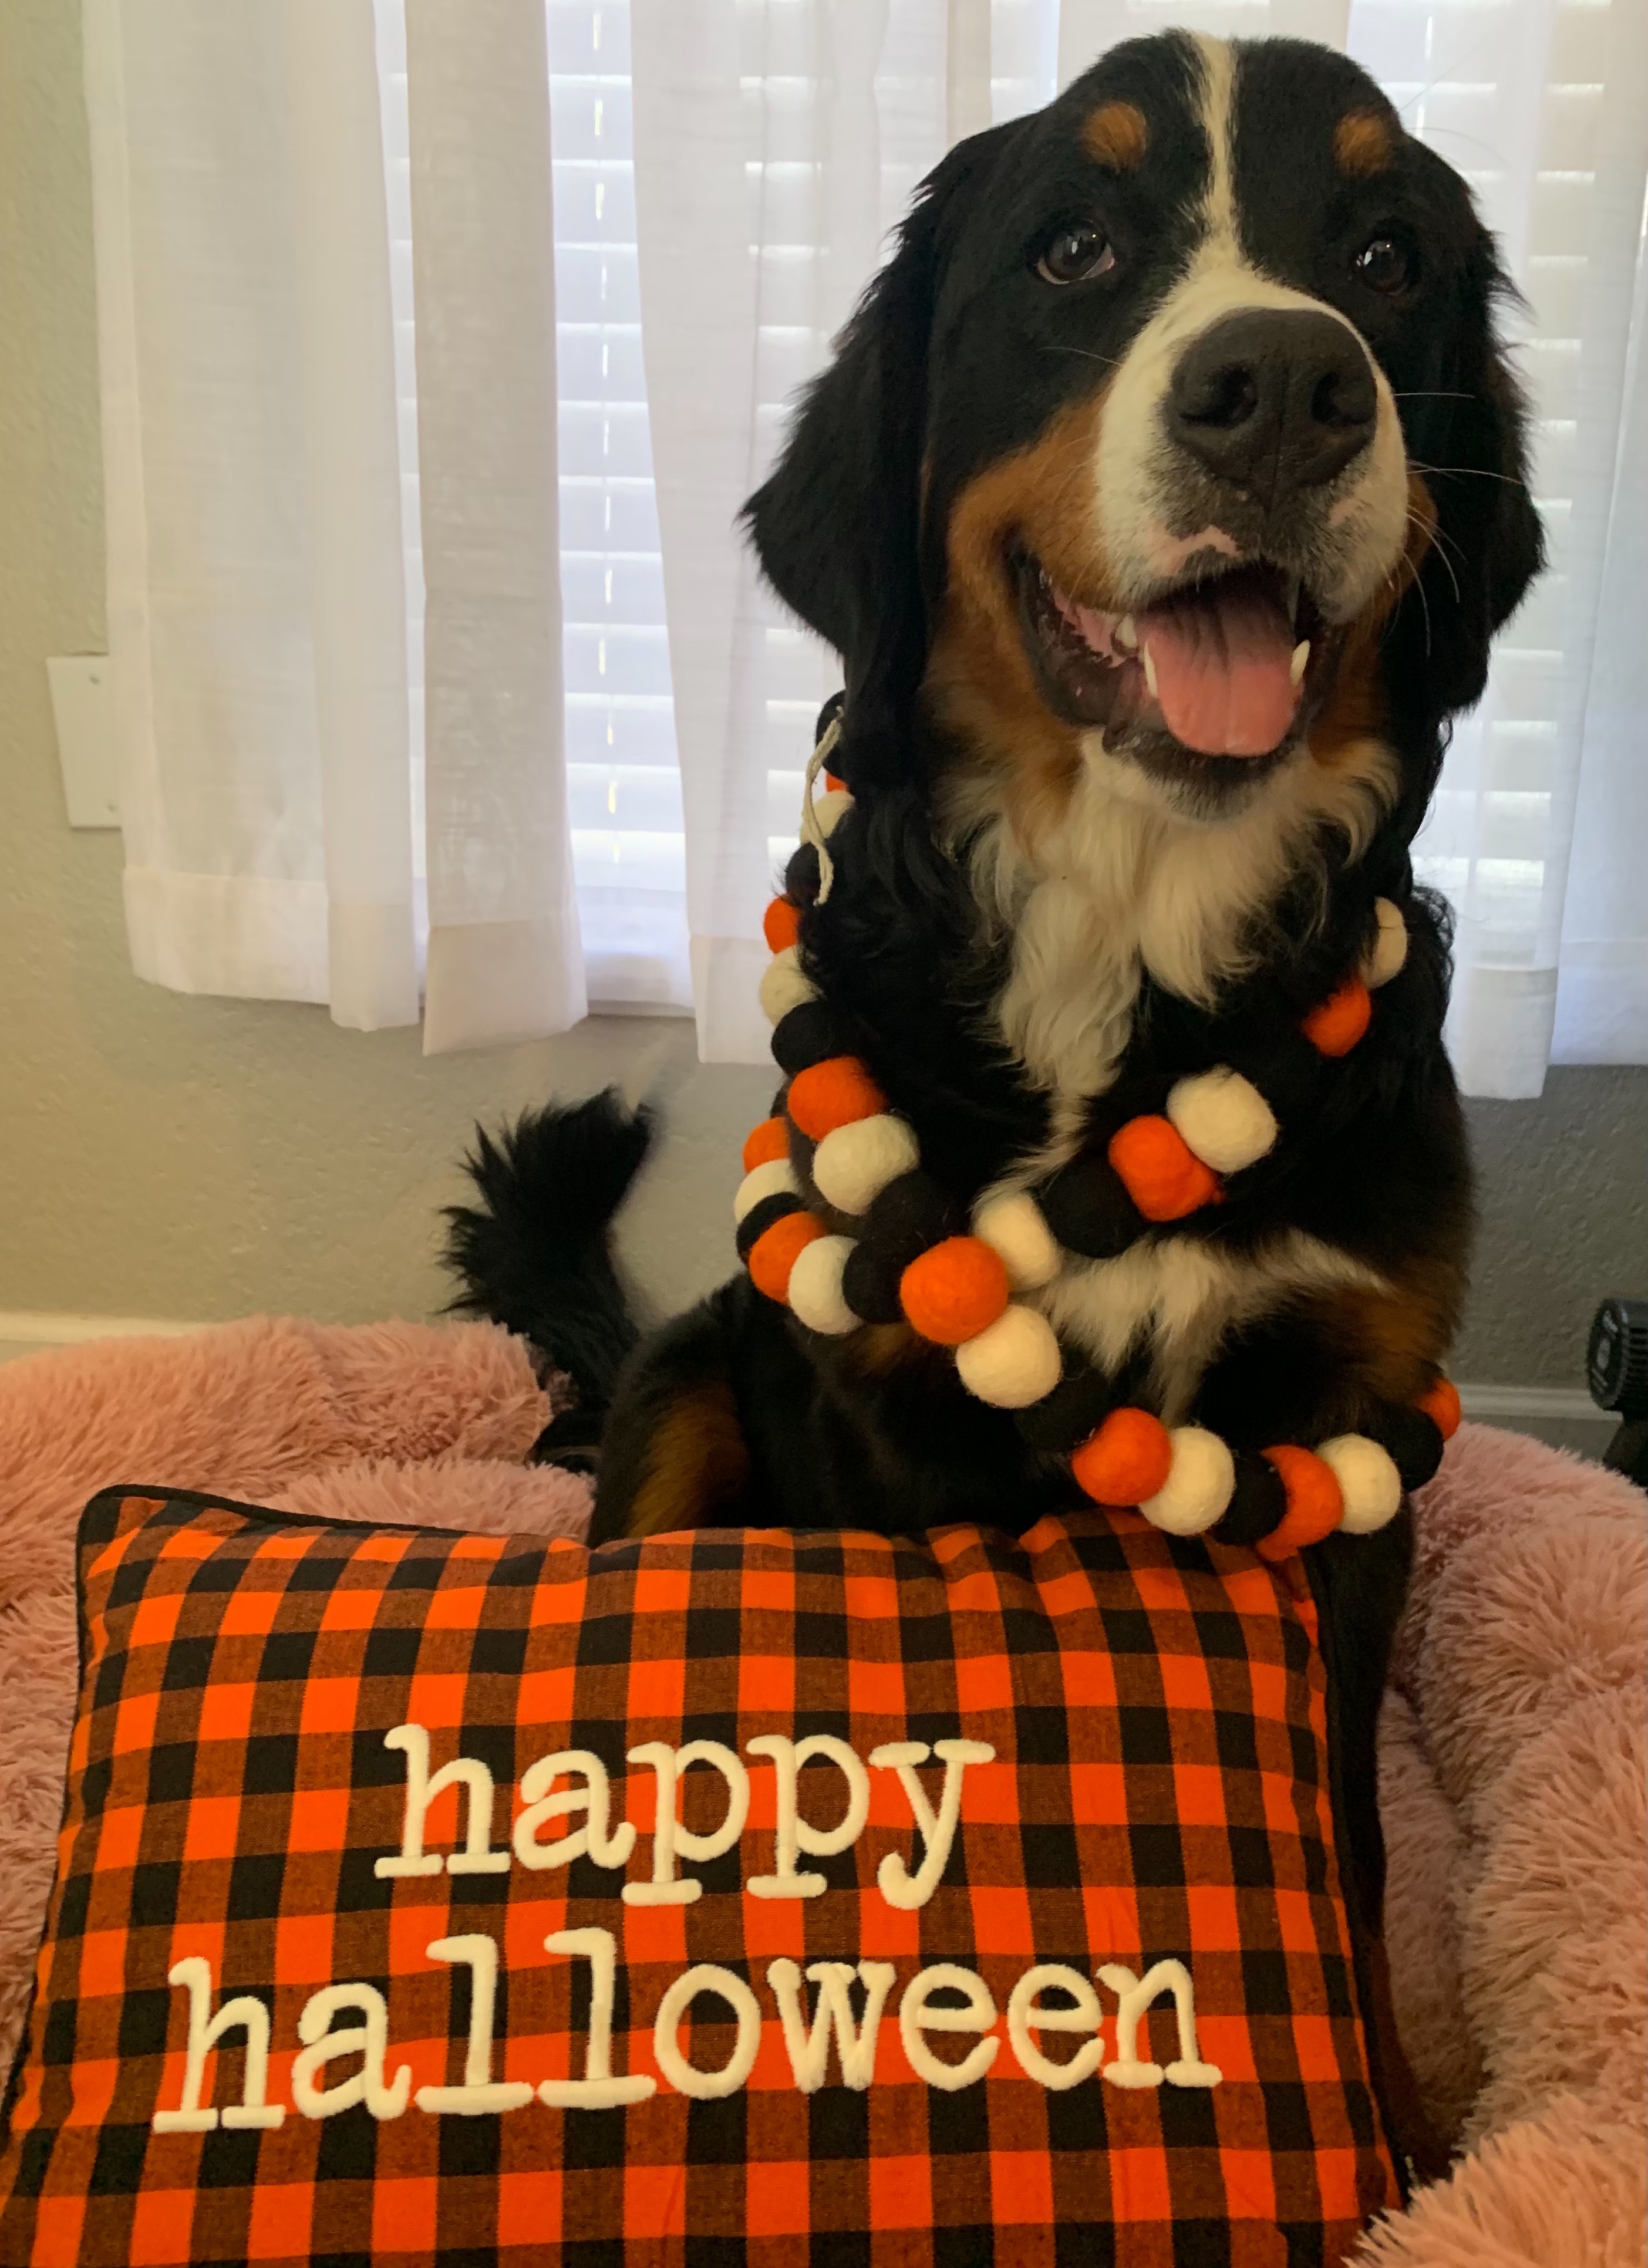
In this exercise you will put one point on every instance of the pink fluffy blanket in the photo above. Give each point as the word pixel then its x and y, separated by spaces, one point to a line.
pixel 1513 1743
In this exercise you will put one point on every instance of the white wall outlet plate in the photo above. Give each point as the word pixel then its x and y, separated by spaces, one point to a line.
pixel 84 711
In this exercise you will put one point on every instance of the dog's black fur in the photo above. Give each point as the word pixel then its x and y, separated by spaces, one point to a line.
pixel 957 360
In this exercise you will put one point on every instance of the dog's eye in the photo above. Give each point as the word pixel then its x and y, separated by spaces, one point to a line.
pixel 1385 265
pixel 1076 254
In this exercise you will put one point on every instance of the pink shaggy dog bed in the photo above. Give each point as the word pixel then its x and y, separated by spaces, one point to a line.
pixel 1514 1743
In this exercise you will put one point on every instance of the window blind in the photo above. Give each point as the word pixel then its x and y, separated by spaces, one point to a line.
pixel 623 780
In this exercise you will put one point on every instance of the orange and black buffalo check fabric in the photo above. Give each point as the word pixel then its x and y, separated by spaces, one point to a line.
pixel 1158 1791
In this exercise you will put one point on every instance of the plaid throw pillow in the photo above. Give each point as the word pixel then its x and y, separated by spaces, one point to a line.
pixel 766 1898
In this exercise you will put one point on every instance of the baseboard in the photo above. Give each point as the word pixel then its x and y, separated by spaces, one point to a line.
pixel 28 1330
pixel 1523 1407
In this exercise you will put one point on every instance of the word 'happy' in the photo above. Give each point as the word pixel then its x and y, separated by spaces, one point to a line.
pixel 968 2005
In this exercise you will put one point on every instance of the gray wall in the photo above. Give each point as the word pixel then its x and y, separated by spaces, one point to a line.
pixel 198 1159
pixel 1563 1194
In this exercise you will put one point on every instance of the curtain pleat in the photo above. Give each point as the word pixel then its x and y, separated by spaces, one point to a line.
pixel 505 958
pixel 352 500
pixel 1602 982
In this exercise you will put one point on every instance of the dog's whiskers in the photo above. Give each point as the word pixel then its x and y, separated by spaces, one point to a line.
pixel 1467 473
pixel 1414 521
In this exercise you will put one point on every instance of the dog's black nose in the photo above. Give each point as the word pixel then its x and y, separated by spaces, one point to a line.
pixel 1274 400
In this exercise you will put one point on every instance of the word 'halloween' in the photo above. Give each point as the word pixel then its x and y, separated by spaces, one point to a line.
pixel 968 2005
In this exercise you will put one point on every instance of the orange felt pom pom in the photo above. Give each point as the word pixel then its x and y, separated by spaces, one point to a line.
pixel 832 1094
pixel 780 924
pixel 1333 1027
pixel 954 1290
pixel 1159 1170
pixel 777 1249
pixel 1441 1406
pixel 764 1144
pixel 1316 1504
pixel 1126 1460
pixel 833 781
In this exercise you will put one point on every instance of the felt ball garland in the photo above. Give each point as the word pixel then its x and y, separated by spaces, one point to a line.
pixel 912 1256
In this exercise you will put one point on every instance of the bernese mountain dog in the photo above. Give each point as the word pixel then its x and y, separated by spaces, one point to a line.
pixel 1162 499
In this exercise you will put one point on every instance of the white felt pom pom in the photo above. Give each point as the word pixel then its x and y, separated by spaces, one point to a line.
pixel 815 1289
pixel 853 1164
pixel 783 986
pixel 1223 1118
pixel 765 1182
pixel 1368 1481
pixel 1386 956
pixel 831 809
pixel 1199 1483
pixel 1015 1230
pixel 1011 1363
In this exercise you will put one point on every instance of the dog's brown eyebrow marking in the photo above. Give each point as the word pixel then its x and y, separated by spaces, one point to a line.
pixel 1117 136
pixel 1363 144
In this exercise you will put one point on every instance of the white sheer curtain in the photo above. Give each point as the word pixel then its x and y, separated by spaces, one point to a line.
pixel 396 687
pixel 258 559
pixel 775 142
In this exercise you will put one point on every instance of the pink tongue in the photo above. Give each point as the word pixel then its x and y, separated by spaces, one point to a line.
pixel 1222 662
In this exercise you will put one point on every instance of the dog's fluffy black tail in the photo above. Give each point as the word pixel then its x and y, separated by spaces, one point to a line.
pixel 536 1254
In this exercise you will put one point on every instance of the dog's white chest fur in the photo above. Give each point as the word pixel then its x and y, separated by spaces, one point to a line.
pixel 1122 890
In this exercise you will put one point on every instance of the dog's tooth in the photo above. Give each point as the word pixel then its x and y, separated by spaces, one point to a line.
pixel 1149 671
pixel 1301 660
pixel 1293 598
pixel 1125 633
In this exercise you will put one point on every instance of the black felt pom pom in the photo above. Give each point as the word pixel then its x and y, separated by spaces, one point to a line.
pixel 1256 1504
pixel 801 876
pixel 1063 1420
pixel 761 1217
pixel 909 1215
pixel 1413 1440
pixel 1089 1210
pixel 869 1285
pixel 807 1035
pixel 1288 1074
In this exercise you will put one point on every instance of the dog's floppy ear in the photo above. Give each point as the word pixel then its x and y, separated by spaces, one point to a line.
pixel 1473 457
pixel 837 528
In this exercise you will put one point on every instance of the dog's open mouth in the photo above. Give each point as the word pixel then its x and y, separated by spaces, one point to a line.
pixel 1228 667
